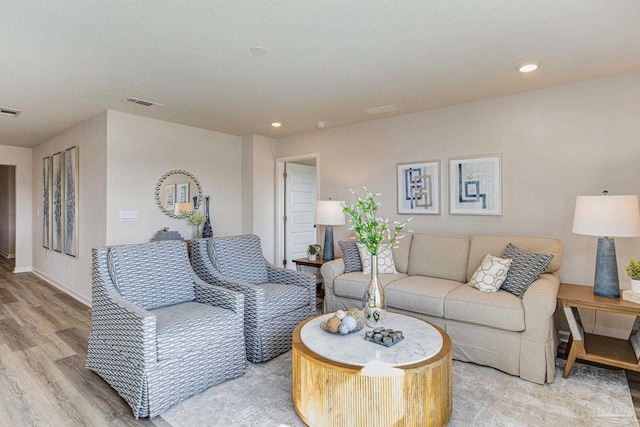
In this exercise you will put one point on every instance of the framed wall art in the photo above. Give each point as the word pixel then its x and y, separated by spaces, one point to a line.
pixel 46 202
pixel 170 197
pixel 475 185
pixel 419 188
pixel 56 188
pixel 71 201
pixel 183 193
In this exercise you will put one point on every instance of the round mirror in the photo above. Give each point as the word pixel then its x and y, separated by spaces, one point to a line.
pixel 178 194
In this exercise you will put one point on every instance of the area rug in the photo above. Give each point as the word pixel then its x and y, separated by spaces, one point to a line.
pixel 481 397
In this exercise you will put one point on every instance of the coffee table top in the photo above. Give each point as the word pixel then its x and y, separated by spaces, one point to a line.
pixel 421 342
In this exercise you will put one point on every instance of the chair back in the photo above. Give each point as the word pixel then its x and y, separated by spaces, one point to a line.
pixel 152 275
pixel 239 257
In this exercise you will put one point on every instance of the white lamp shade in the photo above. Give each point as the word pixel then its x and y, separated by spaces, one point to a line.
pixel 329 212
pixel 183 208
pixel 607 216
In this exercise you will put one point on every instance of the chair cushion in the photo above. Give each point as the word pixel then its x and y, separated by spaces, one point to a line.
pixel 353 285
pixel 152 275
pixel 425 295
pixel 496 309
pixel 191 326
pixel 239 257
pixel 280 299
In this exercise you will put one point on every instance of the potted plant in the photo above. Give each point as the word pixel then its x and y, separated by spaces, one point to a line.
pixel 633 270
pixel 313 251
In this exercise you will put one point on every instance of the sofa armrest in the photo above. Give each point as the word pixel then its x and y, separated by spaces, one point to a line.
pixel 330 271
pixel 540 302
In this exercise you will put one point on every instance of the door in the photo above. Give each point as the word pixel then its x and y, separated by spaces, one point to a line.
pixel 300 206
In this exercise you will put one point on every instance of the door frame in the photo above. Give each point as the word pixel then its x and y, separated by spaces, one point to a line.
pixel 280 194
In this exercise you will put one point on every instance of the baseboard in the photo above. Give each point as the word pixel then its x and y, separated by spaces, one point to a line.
pixel 63 288
pixel 22 270
pixel 7 256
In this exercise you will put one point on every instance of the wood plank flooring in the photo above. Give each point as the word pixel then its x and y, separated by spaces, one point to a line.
pixel 43 346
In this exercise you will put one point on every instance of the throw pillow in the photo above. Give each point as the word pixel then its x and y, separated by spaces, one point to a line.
pixel 350 256
pixel 490 274
pixel 385 261
pixel 525 269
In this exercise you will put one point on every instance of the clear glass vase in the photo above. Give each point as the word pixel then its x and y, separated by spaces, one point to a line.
pixel 374 303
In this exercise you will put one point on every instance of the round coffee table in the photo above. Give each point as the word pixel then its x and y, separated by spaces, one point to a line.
pixel 344 380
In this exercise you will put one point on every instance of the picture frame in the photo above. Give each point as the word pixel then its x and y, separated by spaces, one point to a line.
pixel 170 197
pixel 419 188
pixel 56 188
pixel 475 185
pixel 70 213
pixel 46 202
pixel 182 195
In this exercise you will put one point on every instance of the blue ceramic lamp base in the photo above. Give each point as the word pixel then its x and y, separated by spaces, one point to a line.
pixel 328 243
pixel 606 281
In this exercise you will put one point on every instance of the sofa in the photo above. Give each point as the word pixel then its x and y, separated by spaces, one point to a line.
pixel 497 329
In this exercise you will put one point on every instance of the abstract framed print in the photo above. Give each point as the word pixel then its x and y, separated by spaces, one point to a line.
pixel 475 185
pixel 71 201
pixel 56 188
pixel 46 202
pixel 419 188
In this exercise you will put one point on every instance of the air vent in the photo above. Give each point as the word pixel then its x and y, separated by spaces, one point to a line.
pixel 382 110
pixel 9 112
pixel 143 102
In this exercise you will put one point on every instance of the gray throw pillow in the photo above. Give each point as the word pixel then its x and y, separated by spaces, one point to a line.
pixel 350 256
pixel 525 269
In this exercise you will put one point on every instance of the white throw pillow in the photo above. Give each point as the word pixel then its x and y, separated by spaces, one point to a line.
pixel 385 261
pixel 490 274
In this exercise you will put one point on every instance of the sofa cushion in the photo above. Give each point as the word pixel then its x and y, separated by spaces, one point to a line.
pixel 420 294
pixel 385 261
pixel 440 257
pixel 490 274
pixel 497 309
pixel 350 256
pixel 525 269
pixel 353 285
pixel 401 252
pixel 482 245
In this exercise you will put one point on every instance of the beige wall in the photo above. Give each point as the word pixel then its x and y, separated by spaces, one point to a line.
pixel 7 211
pixel 73 274
pixel 141 150
pixel 555 143
pixel 21 159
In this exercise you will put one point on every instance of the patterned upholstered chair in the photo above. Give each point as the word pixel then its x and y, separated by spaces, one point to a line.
pixel 276 299
pixel 159 334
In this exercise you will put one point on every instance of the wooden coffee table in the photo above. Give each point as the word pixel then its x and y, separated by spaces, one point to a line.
pixel 343 380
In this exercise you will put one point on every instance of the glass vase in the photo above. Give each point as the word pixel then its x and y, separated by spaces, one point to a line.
pixel 196 231
pixel 374 303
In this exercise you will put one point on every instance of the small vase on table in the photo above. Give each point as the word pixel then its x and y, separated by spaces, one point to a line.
pixel 374 301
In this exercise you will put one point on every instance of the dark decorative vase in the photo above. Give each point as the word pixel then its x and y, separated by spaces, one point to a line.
pixel 206 230
pixel 374 303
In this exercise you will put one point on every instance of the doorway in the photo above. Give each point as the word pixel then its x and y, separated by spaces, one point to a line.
pixel 296 196
pixel 8 211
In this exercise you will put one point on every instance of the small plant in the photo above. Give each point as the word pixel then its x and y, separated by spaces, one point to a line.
pixel 633 269
pixel 314 249
pixel 165 229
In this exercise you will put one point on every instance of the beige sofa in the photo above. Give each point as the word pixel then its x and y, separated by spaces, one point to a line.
pixel 500 330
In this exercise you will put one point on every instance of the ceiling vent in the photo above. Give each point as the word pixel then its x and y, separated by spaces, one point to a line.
pixel 382 110
pixel 9 112
pixel 143 102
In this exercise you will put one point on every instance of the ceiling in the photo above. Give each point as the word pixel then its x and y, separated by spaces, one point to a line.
pixel 66 61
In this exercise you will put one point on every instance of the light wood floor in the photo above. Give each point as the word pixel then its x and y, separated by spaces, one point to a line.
pixel 43 346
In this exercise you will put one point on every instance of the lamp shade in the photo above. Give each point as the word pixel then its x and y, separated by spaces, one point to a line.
pixel 329 212
pixel 610 216
pixel 183 208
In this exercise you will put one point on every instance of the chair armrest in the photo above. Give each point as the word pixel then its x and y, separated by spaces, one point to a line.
pixel 127 328
pixel 540 302
pixel 293 277
pixel 219 296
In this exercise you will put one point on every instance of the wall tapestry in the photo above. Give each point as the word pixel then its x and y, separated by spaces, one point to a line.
pixel 419 188
pixel 56 241
pixel 46 202
pixel 71 201
pixel 475 185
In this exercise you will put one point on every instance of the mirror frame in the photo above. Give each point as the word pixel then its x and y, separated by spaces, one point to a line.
pixel 159 200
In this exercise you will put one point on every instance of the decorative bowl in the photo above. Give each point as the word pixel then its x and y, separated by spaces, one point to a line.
pixel 323 326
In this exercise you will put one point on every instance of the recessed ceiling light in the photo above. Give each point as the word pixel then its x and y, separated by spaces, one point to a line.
pixel 276 124
pixel 258 51
pixel 528 67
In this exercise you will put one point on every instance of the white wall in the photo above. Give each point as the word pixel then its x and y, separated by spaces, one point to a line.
pixel 141 150
pixel 21 159
pixel 73 274
pixel 555 143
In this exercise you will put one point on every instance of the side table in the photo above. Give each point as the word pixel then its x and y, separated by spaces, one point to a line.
pixel 596 348
pixel 304 264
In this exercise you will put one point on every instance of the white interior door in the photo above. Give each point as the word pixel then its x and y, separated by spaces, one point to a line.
pixel 300 206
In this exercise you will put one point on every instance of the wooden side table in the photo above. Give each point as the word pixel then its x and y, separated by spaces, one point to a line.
pixel 303 264
pixel 596 348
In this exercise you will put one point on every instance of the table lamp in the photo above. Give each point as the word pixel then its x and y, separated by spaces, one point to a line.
pixel 329 213
pixel 606 217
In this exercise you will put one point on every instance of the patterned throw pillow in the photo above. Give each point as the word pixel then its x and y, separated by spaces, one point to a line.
pixel 350 256
pixel 385 261
pixel 525 269
pixel 490 274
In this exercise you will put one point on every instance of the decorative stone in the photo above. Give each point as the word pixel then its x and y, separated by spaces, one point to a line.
pixel 333 325
pixel 343 329
pixel 340 314
pixel 350 322
pixel 355 313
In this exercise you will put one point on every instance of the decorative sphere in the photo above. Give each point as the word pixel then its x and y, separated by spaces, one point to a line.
pixel 333 324
pixel 350 323
pixel 340 314
pixel 344 329
pixel 354 312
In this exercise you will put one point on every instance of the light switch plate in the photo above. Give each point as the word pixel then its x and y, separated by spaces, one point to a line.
pixel 128 215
